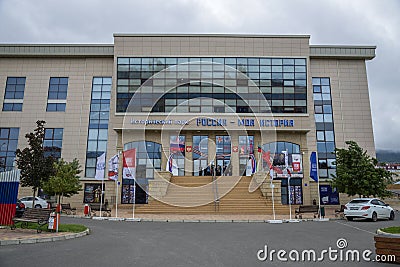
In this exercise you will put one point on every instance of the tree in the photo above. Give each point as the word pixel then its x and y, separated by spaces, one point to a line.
pixel 357 174
pixel 65 181
pixel 35 167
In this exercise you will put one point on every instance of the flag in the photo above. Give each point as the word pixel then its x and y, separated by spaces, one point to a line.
pixel 100 166
pixel 267 158
pixel 251 165
pixel 296 162
pixel 113 168
pixel 313 166
pixel 129 164
pixel 172 166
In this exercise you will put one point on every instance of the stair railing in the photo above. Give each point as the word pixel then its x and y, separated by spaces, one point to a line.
pixel 215 186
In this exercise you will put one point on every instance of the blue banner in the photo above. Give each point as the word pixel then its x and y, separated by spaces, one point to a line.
pixel 313 166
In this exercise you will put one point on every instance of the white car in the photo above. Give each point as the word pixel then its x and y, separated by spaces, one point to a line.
pixel 369 208
pixel 39 202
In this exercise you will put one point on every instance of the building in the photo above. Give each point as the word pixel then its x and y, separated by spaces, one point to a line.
pixel 213 102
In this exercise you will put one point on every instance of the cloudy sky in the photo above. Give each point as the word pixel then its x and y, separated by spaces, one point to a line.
pixel 356 22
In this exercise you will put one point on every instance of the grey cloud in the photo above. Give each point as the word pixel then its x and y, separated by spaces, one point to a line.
pixel 365 22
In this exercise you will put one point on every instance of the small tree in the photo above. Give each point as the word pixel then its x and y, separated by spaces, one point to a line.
pixel 35 167
pixel 65 181
pixel 357 174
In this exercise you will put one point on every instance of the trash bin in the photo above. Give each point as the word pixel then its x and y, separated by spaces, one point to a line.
pixel 86 210
pixel 323 212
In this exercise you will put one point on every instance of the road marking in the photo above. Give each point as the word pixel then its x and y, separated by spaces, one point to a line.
pixel 357 228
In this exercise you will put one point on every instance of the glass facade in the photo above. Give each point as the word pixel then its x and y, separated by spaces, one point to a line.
pixel 223 155
pixel 276 152
pixel 98 122
pixel 8 146
pixel 14 94
pixel 200 155
pixel 246 148
pixel 148 159
pixel 57 91
pixel 177 148
pixel 52 142
pixel 212 85
pixel 324 126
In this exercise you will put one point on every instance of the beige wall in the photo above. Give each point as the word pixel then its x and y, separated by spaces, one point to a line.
pixel 350 100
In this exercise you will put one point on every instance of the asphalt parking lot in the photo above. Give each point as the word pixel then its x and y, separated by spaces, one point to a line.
pixel 114 243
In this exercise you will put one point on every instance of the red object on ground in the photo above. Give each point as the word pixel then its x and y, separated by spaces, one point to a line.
pixel 86 210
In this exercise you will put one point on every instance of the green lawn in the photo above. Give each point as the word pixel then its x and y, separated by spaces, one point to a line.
pixel 392 230
pixel 73 228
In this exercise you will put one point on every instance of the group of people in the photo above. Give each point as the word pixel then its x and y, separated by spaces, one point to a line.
pixel 218 170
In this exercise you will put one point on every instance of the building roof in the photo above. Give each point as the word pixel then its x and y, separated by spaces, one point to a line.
pixel 107 50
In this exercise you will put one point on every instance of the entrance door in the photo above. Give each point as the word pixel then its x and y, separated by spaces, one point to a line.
pixel 223 154
pixel 200 155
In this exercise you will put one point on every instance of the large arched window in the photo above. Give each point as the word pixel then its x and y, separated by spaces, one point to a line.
pixel 291 190
pixel 148 159
pixel 276 151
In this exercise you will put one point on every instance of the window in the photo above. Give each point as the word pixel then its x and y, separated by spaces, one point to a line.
pixel 58 88
pixel 57 94
pixel 98 123
pixel 8 146
pixel 277 157
pixel 286 76
pixel 14 94
pixel 52 142
pixel 324 125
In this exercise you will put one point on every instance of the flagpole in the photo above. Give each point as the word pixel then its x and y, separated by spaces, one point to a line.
pixel 319 194
pixel 116 198
pixel 134 198
pixel 101 195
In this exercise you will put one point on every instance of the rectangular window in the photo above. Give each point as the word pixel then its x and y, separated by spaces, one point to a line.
pixel 324 125
pixel 57 94
pixel 287 74
pixel 98 123
pixel 14 94
pixel 52 143
pixel 8 146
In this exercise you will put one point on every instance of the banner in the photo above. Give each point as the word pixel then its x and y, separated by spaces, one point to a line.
pixel 296 162
pixel 129 164
pixel 251 165
pixel 100 166
pixel 313 166
pixel 113 165
pixel 172 166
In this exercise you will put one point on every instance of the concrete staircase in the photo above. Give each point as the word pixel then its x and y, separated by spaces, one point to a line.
pixel 196 194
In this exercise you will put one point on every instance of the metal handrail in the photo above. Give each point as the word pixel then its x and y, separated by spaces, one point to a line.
pixel 215 186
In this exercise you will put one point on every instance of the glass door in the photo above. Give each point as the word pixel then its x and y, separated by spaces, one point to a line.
pixel 200 156
pixel 223 154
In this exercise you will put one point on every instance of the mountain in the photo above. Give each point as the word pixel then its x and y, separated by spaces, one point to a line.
pixel 388 156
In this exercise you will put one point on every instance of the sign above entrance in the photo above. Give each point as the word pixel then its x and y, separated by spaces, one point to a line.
pixel 216 122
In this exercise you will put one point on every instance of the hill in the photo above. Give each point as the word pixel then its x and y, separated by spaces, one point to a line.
pixel 388 156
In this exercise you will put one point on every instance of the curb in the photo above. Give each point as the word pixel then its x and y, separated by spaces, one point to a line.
pixel 44 239
pixel 121 219
pixel 381 233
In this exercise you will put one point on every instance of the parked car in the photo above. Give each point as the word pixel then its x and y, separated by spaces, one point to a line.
pixel 369 208
pixel 20 208
pixel 39 202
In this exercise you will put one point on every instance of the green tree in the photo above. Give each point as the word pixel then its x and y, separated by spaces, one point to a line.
pixel 35 167
pixel 357 174
pixel 65 181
